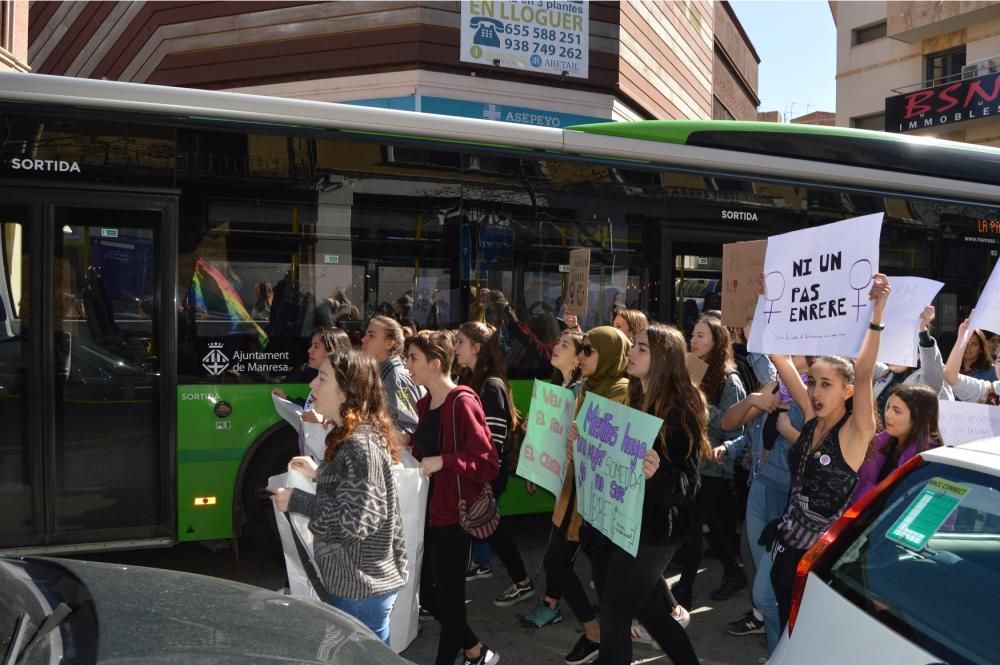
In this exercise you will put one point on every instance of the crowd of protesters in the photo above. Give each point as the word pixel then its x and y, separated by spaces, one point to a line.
pixel 759 459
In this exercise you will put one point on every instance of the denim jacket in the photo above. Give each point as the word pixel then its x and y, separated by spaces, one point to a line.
pixel 753 435
pixel 731 394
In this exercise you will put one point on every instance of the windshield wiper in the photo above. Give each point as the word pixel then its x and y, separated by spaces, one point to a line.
pixel 52 621
pixel 20 632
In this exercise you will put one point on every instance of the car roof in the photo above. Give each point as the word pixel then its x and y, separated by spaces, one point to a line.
pixel 982 455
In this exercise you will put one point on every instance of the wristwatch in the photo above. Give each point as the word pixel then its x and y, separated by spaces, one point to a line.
pixel 877 327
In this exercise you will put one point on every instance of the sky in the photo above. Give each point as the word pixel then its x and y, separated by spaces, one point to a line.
pixel 797 45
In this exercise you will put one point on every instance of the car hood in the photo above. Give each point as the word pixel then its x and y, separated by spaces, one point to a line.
pixel 149 615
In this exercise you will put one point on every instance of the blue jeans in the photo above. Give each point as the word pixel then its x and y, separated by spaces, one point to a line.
pixel 373 612
pixel 764 504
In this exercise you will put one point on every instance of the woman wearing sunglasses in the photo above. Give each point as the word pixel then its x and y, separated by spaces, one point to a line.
pixel 603 356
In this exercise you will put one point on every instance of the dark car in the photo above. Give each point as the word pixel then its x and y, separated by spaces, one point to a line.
pixel 79 612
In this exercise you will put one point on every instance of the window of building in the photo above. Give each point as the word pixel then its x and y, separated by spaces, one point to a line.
pixel 875 121
pixel 869 33
pixel 943 67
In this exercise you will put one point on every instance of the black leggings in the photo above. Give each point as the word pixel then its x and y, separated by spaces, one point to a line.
pixel 447 550
pixel 705 512
pixel 561 581
pixel 634 588
pixel 786 560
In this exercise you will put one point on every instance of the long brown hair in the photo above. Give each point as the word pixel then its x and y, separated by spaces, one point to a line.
pixel 922 402
pixel 983 360
pixel 490 363
pixel 719 360
pixel 358 378
pixel 670 394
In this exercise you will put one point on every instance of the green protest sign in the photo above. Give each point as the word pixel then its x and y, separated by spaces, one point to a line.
pixel 608 456
pixel 543 454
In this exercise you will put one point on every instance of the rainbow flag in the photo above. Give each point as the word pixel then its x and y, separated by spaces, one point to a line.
pixel 205 275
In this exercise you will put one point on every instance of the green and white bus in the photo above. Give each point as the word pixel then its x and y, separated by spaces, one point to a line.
pixel 138 223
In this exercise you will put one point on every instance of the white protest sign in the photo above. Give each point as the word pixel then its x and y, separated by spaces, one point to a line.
pixel 963 422
pixel 987 314
pixel 909 296
pixel 817 282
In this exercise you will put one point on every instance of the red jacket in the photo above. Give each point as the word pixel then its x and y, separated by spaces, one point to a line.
pixel 474 460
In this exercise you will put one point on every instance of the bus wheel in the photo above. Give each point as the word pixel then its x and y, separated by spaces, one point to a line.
pixel 270 459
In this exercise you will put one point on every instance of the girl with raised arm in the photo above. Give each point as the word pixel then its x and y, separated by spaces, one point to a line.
pixel 840 422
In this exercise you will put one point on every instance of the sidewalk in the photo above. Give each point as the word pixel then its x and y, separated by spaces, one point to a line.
pixel 500 628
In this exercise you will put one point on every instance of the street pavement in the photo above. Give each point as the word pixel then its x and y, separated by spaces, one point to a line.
pixel 498 627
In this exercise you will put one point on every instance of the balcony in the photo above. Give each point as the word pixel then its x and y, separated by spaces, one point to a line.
pixel 912 22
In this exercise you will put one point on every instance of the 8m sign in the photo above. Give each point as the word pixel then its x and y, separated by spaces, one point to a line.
pixel 944 104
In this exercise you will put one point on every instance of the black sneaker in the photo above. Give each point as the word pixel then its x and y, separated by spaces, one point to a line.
pixel 514 594
pixel 425 615
pixel 747 624
pixel 731 584
pixel 477 572
pixel 683 595
pixel 584 651
pixel 487 656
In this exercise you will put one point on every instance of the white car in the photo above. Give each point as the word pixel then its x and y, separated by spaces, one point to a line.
pixel 910 574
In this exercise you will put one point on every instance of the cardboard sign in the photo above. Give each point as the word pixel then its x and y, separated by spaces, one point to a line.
pixel 742 263
pixel 963 422
pixel 817 283
pixel 987 314
pixel 696 368
pixel 909 296
pixel 543 453
pixel 579 282
pixel 608 457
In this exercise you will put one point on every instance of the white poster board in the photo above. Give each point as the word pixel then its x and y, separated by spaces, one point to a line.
pixel 963 422
pixel 987 314
pixel 907 300
pixel 817 282
pixel 539 37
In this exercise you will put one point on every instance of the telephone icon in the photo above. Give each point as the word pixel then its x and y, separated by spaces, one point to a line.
pixel 486 31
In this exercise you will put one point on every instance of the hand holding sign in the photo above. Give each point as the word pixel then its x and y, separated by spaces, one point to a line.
pixel 651 464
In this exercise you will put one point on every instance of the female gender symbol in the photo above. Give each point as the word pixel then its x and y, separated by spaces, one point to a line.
pixel 861 278
pixel 774 282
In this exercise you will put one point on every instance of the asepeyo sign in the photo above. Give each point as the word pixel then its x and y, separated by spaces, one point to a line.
pixel 535 35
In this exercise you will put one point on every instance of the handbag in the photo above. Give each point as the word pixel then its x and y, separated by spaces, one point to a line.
pixel 480 518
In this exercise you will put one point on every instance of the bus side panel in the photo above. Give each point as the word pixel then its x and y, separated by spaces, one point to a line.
pixel 211 449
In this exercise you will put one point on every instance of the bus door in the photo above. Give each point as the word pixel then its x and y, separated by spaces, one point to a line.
pixel 697 281
pixel 87 338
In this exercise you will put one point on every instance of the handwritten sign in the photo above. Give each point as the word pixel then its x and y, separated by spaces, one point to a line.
pixel 910 295
pixel 543 454
pixel 742 263
pixel 962 422
pixel 579 282
pixel 817 283
pixel 987 314
pixel 608 456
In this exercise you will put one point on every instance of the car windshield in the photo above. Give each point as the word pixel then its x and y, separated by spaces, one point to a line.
pixel 928 566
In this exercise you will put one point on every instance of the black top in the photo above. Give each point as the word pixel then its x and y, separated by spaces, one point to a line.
pixel 668 509
pixel 427 437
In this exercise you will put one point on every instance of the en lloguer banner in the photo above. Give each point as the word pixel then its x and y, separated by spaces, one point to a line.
pixel 534 35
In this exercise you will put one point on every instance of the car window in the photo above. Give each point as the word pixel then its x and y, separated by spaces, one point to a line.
pixel 928 564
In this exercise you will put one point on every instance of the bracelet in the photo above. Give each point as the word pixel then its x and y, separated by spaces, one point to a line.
pixel 877 327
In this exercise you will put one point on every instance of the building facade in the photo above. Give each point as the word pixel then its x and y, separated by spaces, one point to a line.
pixel 14 35
pixel 924 68
pixel 629 60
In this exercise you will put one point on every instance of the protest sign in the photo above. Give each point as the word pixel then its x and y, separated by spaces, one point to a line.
pixel 909 296
pixel 579 282
pixel 608 457
pixel 543 453
pixel 962 422
pixel 697 368
pixel 742 263
pixel 817 283
pixel 987 314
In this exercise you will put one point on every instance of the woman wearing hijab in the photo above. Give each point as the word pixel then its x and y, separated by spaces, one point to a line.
pixel 603 358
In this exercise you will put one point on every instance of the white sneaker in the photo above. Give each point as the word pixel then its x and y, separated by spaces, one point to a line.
pixel 681 616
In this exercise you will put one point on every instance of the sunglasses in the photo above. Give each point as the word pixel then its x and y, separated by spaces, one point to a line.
pixel 586 350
